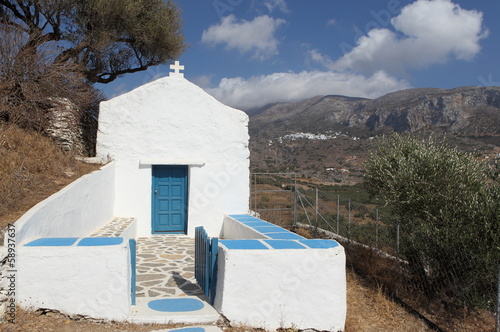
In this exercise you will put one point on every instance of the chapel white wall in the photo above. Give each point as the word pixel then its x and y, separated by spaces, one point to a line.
pixel 78 209
pixel 173 121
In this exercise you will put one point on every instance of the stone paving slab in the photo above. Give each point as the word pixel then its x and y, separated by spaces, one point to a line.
pixel 165 267
pixel 114 228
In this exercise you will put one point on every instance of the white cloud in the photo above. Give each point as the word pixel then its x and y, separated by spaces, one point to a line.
pixel 331 22
pixel 427 32
pixel 279 87
pixel 324 60
pixel 271 5
pixel 257 36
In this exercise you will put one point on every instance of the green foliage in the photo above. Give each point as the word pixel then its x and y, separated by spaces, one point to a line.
pixel 107 38
pixel 329 193
pixel 265 199
pixel 425 179
pixel 448 205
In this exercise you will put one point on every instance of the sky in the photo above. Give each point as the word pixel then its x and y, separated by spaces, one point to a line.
pixel 250 53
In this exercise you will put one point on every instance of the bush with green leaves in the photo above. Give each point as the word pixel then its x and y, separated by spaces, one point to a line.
pixel 448 203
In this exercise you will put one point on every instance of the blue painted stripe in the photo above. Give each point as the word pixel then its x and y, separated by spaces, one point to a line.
pixel 176 305
pixel 190 329
pixel 244 217
pixel 319 243
pixel 243 244
pixel 269 229
pixel 285 244
pixel 285 236
pixel 52 242
pixel 100 241
pixel 256 223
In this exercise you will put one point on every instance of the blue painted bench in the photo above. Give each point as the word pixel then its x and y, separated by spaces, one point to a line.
pixel 242 231
pixel 93 242
pixel 74 241
pixel 271 277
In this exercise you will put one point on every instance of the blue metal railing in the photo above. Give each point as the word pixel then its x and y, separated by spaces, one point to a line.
pixel 133 263
pixel 205 269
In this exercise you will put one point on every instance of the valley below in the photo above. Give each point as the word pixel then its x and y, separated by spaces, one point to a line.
pixel 329 138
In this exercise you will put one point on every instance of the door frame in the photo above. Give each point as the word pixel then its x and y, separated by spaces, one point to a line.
pixel 153 201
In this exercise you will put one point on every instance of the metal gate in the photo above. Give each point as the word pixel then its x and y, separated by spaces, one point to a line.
pixel 205 268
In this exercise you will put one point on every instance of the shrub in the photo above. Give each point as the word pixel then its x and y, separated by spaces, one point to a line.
pixel 448 203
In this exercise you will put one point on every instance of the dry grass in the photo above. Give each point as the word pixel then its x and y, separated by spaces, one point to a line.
pixel 32 168
pixel 35 321
pixel 371 310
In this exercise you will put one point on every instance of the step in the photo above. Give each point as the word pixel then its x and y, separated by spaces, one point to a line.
pixel 174 310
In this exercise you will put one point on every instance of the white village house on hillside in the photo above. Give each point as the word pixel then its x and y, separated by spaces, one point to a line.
pixel 117 243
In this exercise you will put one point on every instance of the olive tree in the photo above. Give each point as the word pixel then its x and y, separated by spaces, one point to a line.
pixel 448 203
pixel 108 38
pixel 55 50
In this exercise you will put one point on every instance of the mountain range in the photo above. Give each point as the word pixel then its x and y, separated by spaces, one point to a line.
pixel 313 137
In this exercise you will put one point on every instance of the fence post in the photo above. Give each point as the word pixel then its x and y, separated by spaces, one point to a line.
pixel 349 220
pixel 338 213
pixel 255 192
pixel 397 259
pixel 294 200
pixel 498 302
pixel 316 227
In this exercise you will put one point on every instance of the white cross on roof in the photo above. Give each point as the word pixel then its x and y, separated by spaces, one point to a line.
pixel 177 68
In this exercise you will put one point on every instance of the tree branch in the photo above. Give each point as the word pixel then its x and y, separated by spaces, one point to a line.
pixel 16 25
pixel 13 9
pixel 101 78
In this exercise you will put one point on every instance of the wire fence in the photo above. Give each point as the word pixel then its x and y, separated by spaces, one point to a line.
pixel 445 280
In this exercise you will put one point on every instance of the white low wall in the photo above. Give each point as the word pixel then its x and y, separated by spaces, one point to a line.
pixel 279 280
pixel 232 229
pixel 77 280
pixel 75 211
pixel 301 288
pixel 131 231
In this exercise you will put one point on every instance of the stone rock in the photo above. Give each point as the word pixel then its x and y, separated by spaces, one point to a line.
pixel 65 127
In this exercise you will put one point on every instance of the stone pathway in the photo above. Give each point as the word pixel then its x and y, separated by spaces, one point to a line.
pixel 165 263
pixel 114 228
pixel 165 267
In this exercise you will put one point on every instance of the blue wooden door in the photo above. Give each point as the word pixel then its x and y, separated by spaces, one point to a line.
pixel 169 199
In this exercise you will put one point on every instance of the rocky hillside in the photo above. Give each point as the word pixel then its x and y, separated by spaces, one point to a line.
pixel 465 110
pixel 330 136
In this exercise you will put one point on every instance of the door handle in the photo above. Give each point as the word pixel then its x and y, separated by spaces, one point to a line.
pixel 156 192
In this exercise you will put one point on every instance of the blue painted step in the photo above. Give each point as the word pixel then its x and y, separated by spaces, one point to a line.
pixel 176 305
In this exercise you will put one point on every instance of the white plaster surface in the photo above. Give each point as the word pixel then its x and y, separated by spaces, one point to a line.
pixel 235 230
pixel 172 121
pixel 130 232
pixel 75 211
pixel 301 288
pixel 92 281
